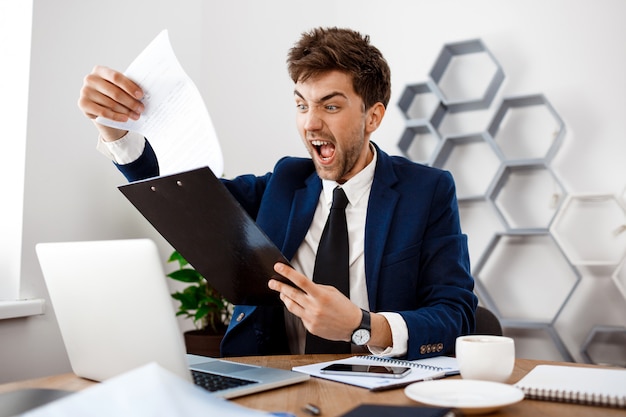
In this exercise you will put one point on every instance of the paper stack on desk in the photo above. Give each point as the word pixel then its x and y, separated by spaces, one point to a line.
pixel 149 391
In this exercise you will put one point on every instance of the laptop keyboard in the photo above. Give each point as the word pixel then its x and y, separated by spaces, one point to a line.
pixel 217 382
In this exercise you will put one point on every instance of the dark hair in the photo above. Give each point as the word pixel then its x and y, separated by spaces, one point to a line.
pixel 327 49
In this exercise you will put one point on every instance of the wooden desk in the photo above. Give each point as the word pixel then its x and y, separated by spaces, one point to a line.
pixel 335 398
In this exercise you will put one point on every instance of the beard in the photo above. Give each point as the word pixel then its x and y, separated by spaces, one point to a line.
pixel 347 155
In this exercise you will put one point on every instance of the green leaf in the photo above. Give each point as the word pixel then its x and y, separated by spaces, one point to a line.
pixel 201 312
pixel 177 257
pixel 187 301
pixel 186 275
pixel 199 301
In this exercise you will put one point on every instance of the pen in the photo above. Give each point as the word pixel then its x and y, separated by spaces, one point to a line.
pixel 312 409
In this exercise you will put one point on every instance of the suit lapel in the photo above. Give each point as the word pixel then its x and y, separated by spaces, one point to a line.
pixel 302 211
pixel 382 203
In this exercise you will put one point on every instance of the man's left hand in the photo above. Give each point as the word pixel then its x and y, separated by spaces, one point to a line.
pixel 324 310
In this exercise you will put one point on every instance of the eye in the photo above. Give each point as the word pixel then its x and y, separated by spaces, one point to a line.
pixel 301 107
pixel 331 107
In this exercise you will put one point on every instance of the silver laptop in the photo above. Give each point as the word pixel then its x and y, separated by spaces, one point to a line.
pixel 115 313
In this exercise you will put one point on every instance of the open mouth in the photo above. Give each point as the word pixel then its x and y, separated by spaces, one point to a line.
pixel 325 150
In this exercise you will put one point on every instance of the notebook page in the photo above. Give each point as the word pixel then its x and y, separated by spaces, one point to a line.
pixel 422 370
pixel 598 386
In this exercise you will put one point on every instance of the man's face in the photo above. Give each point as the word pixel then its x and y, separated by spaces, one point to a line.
pixel 333 125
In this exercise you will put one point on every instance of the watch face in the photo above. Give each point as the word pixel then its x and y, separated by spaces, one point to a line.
pixel 361 337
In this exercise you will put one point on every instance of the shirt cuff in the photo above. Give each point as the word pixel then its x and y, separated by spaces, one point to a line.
pixel 399 336
pixel 125 150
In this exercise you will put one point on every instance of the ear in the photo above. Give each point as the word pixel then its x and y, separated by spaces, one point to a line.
pixel 374 116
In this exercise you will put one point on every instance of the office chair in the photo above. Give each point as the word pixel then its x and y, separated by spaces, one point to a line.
pixel 487 322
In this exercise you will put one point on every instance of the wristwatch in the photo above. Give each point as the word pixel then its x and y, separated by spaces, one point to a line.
pixel 362 333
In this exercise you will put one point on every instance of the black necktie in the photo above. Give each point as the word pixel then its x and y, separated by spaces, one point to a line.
pixel 331 267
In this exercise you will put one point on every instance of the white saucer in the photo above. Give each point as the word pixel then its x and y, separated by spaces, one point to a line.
pixel 471 397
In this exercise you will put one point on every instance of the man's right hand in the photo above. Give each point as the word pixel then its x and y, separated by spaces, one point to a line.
pixel 110 94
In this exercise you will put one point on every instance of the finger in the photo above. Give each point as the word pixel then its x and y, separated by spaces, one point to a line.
pixel 120 80
pixel 110 94
pixel 289 296
pixel 94 104
pixel 293 293
pixel 291 305
pixel 297 278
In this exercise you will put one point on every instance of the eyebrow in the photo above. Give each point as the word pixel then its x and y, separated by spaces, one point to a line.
pixel 325 98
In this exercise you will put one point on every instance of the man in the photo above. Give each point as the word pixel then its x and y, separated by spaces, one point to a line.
pixel 410 289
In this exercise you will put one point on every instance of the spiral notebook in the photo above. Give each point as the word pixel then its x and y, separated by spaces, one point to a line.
pixel 580 385
pixel 421 370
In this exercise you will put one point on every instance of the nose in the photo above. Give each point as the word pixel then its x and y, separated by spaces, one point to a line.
pixel 312 120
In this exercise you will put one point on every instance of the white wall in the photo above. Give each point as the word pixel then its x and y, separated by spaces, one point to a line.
pixel 235 51
pixel 15 24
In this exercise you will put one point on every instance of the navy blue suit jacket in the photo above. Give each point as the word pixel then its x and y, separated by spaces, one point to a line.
pixel 416 257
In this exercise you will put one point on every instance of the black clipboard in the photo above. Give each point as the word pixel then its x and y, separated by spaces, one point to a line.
pixel 201 219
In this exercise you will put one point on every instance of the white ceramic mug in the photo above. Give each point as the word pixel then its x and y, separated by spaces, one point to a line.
pixel 485 357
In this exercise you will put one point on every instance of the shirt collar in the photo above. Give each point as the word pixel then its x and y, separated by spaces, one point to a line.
pixel 357 186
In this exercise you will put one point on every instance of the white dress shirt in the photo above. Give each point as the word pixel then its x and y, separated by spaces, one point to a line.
pixel 357 189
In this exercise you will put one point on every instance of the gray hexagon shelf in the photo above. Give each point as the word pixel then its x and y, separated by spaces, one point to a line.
pixel 480 223
pixel 527 129
pixel 591 218
pixel 531 338
pixel 619 277
pixel 458 155
pixel 466 76
pixel 420 141
pixel 419 101
pixel 514 265
pixel 525 231
pixel 605 345
pixel 527 196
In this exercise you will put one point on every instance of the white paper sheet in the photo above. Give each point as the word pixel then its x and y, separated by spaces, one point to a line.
pixel 175 120
pixel 148 391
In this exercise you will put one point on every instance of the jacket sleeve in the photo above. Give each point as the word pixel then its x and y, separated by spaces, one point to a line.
pixel 146 166
pixel 440 266
pixel 416 256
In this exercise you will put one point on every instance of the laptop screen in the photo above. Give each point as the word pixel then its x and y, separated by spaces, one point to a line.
pixel 113 306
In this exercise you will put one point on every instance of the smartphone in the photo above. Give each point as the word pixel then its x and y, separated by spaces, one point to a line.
pixel 366 370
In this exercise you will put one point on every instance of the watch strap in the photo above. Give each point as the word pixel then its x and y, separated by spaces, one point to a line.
pixel 366 325
pixel 366 321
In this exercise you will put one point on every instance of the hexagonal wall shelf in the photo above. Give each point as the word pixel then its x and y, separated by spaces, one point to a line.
pixel 527 196
pixel 591 229
pixel 619 277
pixel 466 75
pixel 605 345
pixel 419 101
pixel 420 141
pixel 523 233
pixel 527 128
pixel 479 222
pixel 514 267
pixel 458 155
pixel 538 341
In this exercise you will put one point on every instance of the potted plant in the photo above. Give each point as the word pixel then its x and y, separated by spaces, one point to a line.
pixel 203 304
